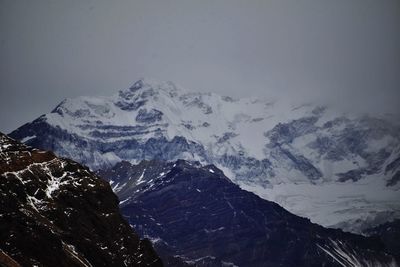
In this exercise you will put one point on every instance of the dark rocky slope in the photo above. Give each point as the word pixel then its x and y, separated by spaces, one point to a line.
pixel 389 233
pixel 55 212
pixel 198 215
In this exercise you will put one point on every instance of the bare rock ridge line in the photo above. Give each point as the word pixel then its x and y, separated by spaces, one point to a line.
pixel 55 212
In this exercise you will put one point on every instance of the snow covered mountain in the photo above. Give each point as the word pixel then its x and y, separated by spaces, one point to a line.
pixel 55 212
pixel 339 170
pixel 196 214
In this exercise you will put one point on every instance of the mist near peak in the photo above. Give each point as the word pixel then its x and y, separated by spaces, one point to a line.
pixel 344 54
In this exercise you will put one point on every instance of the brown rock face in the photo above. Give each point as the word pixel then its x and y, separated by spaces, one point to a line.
pixel 55 212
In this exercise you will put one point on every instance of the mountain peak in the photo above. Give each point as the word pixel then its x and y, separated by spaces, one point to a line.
pixel 144 89
pixel 144 83
pixel 266 146
pixel 148 84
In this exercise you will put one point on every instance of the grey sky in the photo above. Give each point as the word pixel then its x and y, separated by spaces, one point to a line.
pixel 343 51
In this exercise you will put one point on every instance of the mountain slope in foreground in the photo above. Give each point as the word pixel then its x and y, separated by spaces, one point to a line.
pixel 198 215
pixel 54 212
pixel 339 170
pixel 389 233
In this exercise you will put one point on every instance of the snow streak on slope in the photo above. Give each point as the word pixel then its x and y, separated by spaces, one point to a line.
pixel 347 257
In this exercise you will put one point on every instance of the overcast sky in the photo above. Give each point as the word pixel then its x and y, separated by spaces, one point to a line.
pixel 345 52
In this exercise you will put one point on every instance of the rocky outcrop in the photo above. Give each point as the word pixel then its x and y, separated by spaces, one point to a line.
pixel 55 212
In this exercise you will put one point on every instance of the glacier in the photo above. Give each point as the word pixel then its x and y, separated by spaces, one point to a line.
pixel 339 169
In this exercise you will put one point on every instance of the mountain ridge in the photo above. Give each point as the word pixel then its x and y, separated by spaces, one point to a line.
pixel 268 147
pixel 195 213
pixel 55 212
